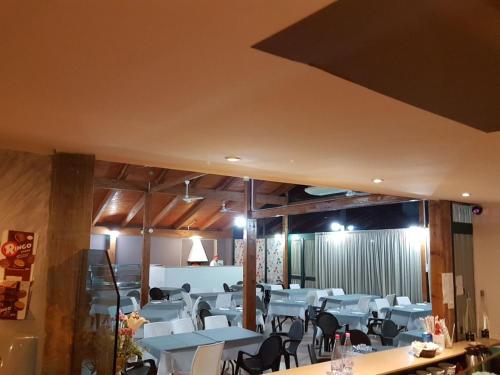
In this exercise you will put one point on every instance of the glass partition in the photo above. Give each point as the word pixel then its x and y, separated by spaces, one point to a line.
pixel 96 315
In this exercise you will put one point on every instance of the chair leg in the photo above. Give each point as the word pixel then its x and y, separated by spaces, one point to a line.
pixel 320 345
pixel 287 360
pixel 296 360
pixel 315 331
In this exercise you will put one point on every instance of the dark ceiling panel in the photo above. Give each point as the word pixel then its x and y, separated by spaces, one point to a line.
pixel 439 55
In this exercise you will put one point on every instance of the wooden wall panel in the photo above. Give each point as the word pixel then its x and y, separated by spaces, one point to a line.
pixel 69 233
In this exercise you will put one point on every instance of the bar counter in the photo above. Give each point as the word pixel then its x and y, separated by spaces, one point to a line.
pixel 390 361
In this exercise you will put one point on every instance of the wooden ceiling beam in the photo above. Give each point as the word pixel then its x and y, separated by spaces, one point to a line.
pixel 164 232
pixel 176 181
pixel 234 196
pixel 185 218
pixel 212 220
pixel 161 177
pixel 134 211
pixel 283 189
pixel 109 183
pixel 331 204
pixel 228 181
pixel 165 211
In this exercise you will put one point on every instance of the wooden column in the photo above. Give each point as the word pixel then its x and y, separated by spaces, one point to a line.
pixel 249 262
pixel 286 280
pixel 441 262
pixel 70 221
pixel 146 249
pixel 423 253
pixel 112 248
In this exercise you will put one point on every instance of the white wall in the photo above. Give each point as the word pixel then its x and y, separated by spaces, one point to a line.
pixel 99 241
pixel 486 265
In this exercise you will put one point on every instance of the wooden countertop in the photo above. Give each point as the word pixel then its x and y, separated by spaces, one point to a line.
pixel 389 361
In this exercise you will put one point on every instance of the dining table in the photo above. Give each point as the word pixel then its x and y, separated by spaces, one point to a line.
pixel 235 315
pixel 161 311
pixel 355 319
pixel 211 297
pixel 409 315
pixel 292 294
pixel 346 300
pixel 174 353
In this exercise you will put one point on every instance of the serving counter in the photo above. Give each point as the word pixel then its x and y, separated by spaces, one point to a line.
pixel 390 361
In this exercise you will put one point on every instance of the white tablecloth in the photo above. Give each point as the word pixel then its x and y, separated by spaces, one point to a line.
pixel 355 319
pixel 408 316
pixel 287 308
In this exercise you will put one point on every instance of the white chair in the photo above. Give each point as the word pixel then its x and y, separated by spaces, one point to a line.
pixel 182 325
pixel 382 306
pixel 216 321
pixel 391 298
pixel 135 305
pixel 189 304
pixel 276 287
pixel 294 286
pixel 364 304
pixel 223 300
pixel 319 294
pixel 311 295
pixel 258 293
pixel 157 329
pixel 403 301
pixel 337 292
pixel 206 360
pixel 194 313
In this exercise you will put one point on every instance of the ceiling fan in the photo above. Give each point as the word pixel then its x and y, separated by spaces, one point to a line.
pixel 190 198
pixel 225 209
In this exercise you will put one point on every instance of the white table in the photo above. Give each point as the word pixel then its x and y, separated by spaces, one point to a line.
pixel 299 295
pixel 355 319
pixel 235 315
pixel 287 308
pixel 409 315
pixel 346 300
pixel 162 311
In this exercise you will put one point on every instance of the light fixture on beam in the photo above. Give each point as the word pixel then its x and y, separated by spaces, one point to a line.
pixel 232 158
pixel 378 180
pixel 240 221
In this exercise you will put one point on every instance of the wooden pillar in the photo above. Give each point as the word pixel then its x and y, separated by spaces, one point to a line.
pixel 70 221
pixel 423 253
pixel 441 262
pixel 286 280
pixel 112 248
pixel 249 262
pixel 146 249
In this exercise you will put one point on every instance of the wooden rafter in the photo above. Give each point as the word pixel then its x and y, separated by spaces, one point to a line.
pixel 228 181
pixel 161 177
pixel 329 204
pixel 184 220
pixel 212 220
pixel 165 211
pixel 283 189
pixel 110 183
pixel 134 211
pixel 110 195
pixel 175 181
pixel 165 232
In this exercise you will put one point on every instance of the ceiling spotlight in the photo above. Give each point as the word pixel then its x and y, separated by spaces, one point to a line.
pixel 378 180
pixel 350 228
pixel 240 222
pixel 233 159
pixel 466 195
pixel 336 227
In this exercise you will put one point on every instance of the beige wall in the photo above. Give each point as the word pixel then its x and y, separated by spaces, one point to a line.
pixel 24 205
pixel 487 265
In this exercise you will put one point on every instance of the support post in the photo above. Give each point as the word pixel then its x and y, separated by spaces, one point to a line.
pixel 249 262
pixel 70 221
pixel 286 279
pixel 423 253
pixel 146 249
pixel 441 262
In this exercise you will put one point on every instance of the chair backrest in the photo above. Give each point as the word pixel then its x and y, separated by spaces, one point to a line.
pixel 311 311
pixel 226 288
pixel 276 287
pixel 223 300
pixel 182 325
pixel 206 360
pixel 270 351
pixel 262 289
pixel 294 286
pixel 258 293
pixel 216 321
pixel 186 287
pixel 134 293
pixel 364 304
pixel 239 283
pixel 260 305
pixel 312 354
pixel 358 337
pixel 204 305
pixel 382 305
pixel 310 297
pixel 389 329
pixel 156 294
pixel 204 313
pixel 391 298
pixel 157 329
pixel 338 291
pixel 328 323
pixel 135 305
pixel 319 295
pixel 296 331
pixel 403 301
pixel 188 301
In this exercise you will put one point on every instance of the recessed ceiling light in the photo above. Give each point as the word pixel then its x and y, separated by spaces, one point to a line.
pixel 465 195
pixel 378 180
pixel 233 159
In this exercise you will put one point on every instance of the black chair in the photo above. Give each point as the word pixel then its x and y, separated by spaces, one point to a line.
pixel 312 316
pixel 156 294
pixel 186 287
pixel 388 332
pixel 226 287
pixel 136 294
pixel 203 305
pixel 375 324
pixel 312 356
pixel 139 368
pixel 262 307
pixel 290 345
pixel 268 357
pixel 357 338
pixel 329 325
pixel 239 283
pixel 203 314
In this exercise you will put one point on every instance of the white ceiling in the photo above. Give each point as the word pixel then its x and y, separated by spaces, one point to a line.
pixel 176 84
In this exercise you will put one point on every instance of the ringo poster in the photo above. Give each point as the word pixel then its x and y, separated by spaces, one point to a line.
pixel 17 260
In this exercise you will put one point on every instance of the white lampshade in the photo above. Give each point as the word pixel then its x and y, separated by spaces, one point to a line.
pixel 197 253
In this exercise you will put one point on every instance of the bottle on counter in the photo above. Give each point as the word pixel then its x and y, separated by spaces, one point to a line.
pixel 337 365
pixel 347 355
